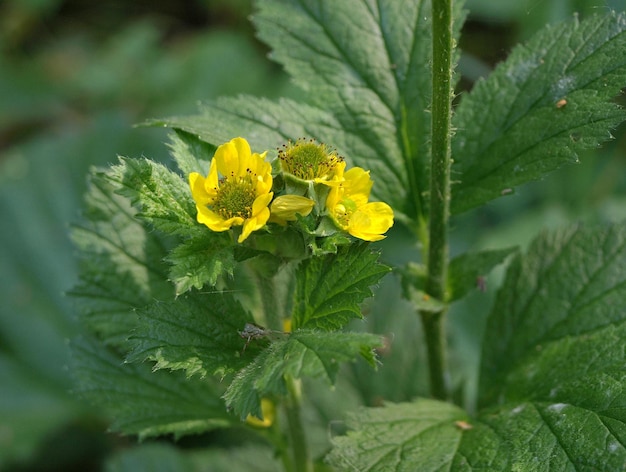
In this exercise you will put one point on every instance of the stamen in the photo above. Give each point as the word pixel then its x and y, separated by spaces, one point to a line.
pixel 234 198
pixel 308 160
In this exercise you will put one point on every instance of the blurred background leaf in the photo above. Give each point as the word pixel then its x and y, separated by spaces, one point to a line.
pixel 75 78
pixel 77 75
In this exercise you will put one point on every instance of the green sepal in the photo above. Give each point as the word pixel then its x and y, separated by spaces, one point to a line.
pixel 303 353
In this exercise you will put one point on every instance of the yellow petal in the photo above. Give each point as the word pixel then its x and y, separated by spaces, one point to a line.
pixel 285 207
pixel 253 224
pixel 260 215
pixel 244 155
pixel 268 410
pixel 214 221
pixel 258 165
pixel 336 178
pixel 263 170
pixel 198 192
pixel 261 202
pixel 334 197
pixel 212 181
pixel 233 158
pixel 358 185
pixel 371 221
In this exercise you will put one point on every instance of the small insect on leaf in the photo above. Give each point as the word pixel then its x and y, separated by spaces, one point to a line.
pixel 561 103
pixel 254 331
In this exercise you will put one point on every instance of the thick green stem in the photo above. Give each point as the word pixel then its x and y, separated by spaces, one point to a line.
pixel 299 460
pixel 434 323
pixel 301 456
pixel 269 299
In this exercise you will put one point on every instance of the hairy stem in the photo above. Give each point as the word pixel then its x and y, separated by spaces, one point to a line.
pixel 434 323
pixel 301 456
pixel 269 299
pixel 299 460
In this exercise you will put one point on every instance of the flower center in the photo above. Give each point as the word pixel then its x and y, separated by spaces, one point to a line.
pixel 308 160
pixel 343 211
pixel 234 198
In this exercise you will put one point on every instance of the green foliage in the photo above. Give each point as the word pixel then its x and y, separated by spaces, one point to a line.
pixel 144 402
pixel 467 269
pixel 149 457
pixel 368 98
pixel 303 353
pixel 549 100
pixel 550 395
pixel 329 288
pixel 201 260
pixel 160 195
pixel 121 262
pixel 374 87
pixel 399 437
pixel 198 333
pixel 71 92
pixel 190 153
pixel 552 380
pixel 553 334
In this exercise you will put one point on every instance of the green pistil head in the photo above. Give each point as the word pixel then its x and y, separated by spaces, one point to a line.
pixel 234 198
pixel 308 160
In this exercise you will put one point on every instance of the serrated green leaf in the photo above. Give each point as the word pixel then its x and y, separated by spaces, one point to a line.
pixel 191 153
pixel 162 196
pixel 121 263
pixel 197 333
pixel 370 96
pixel 465 270
pixel 265 124
pixel 329 288
pixel 369 64
pixel 543 436
pixel 554 353
pixel 299 354
pixel 549 100
pixel 569 287
pixel 422 435
pixel 201 260
pixel 552 377
pixel 144 402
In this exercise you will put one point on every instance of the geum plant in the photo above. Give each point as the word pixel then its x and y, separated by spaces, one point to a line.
pixel 210 293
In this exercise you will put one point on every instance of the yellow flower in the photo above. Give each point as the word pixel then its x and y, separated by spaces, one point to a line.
pixel 268 409
pixel 286 207
pixel 237 190
pixel 348 206
pixel 308 160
